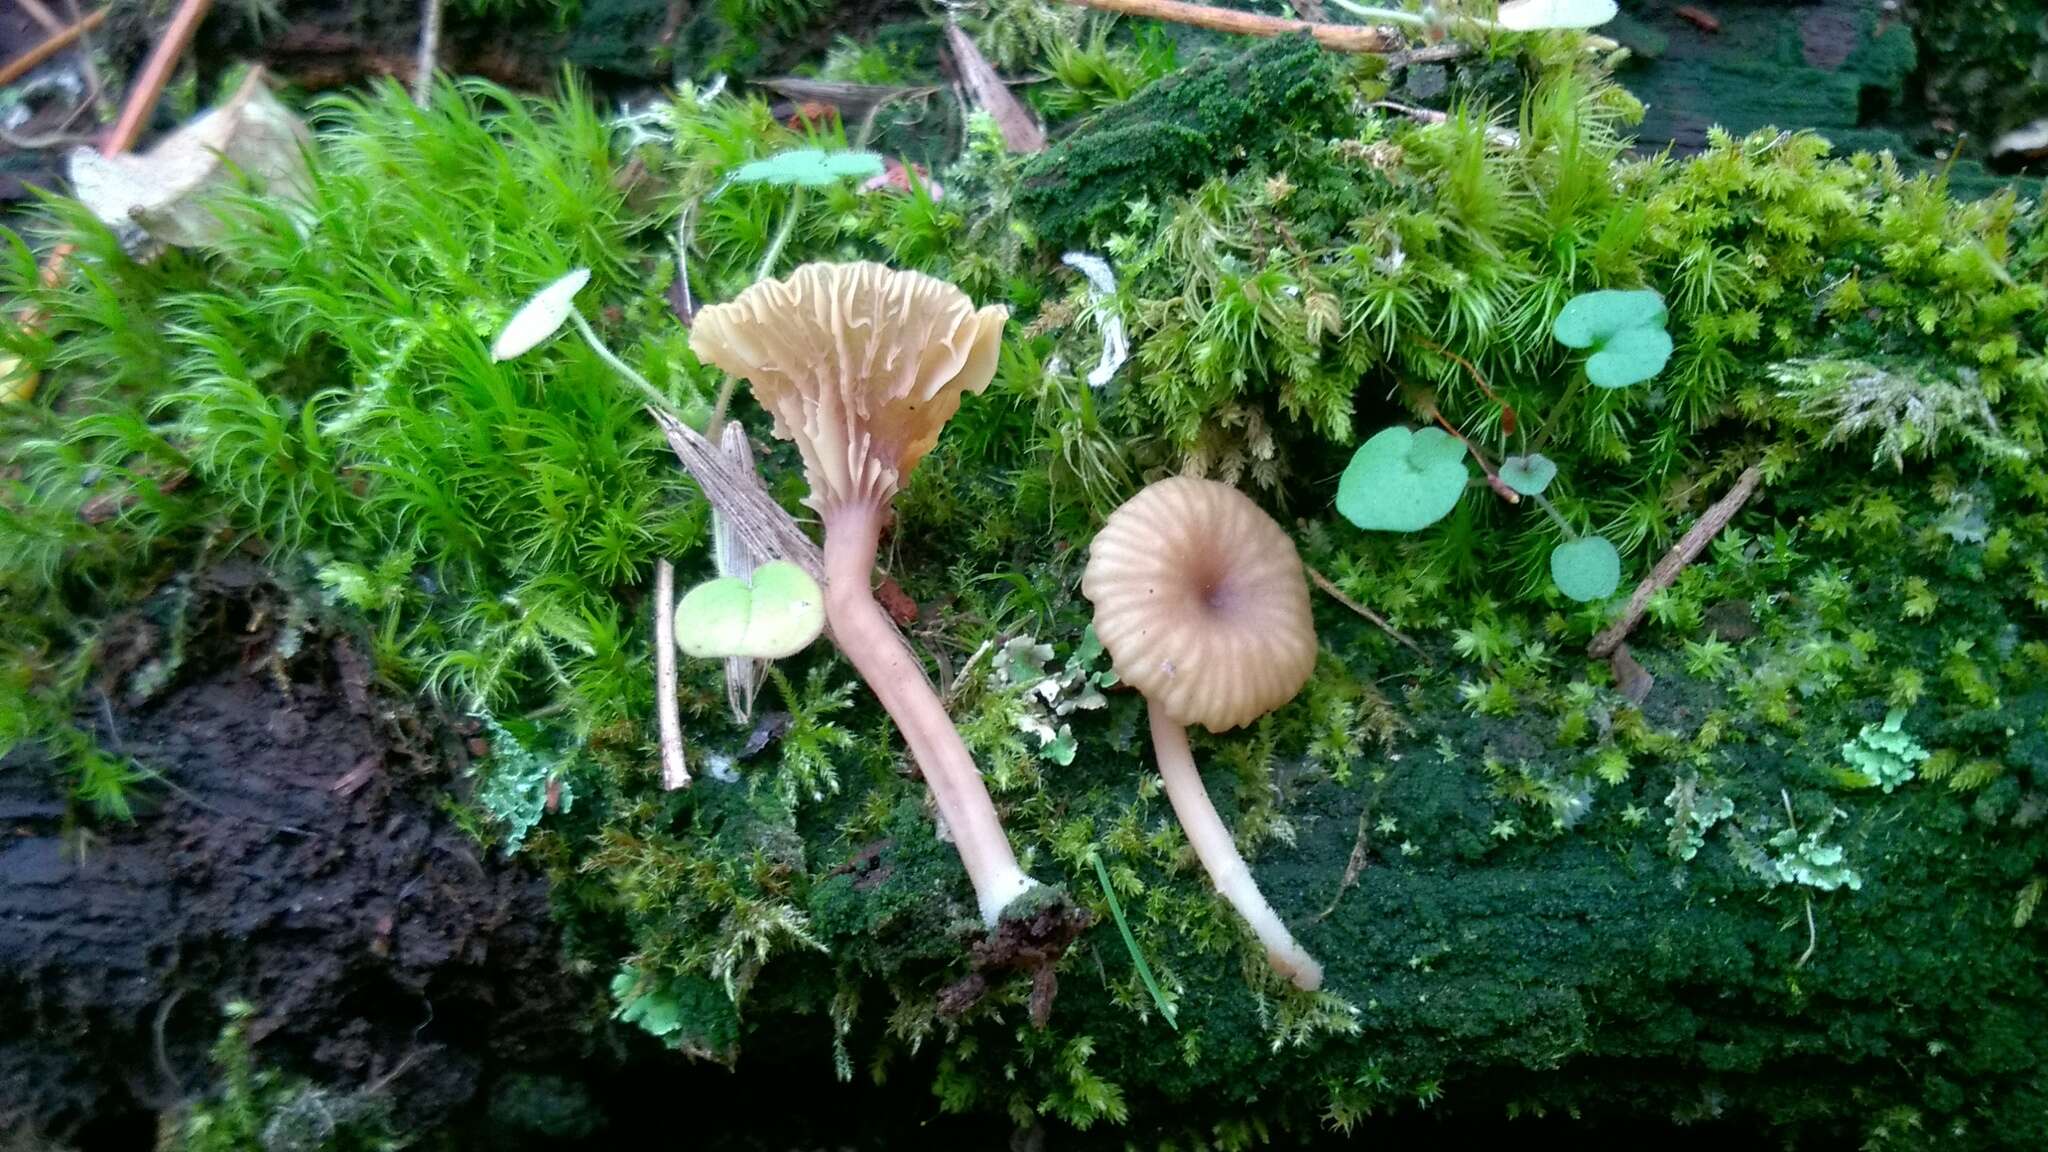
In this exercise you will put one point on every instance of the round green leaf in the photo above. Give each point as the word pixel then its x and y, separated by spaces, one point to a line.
pixel 1593 318
pixel 711 619
pixel 1631 357
pixel 1538 15
pixel 1587 568
pixel 1530 474
pixel 1403 481
pixel 812 167
pixel 1625 330
pixel 776 613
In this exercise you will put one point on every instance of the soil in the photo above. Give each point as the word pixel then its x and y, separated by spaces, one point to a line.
pixel 292 854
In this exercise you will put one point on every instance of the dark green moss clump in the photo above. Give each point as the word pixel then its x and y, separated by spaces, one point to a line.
pixel 1210 119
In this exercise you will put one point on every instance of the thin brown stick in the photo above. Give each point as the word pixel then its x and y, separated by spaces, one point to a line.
pixel 675 770
pixel 1341 37
pixel 1020 132
pixel 135 112
pixel 155 76
pixel 32 59
pixel 1472 370
pixel 1674 561
pixel 1493 480
pixel 1431 54
pixel 1380 622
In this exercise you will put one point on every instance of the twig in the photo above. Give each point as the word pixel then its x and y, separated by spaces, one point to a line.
pixel 429 54
pixel 1674 561
pixel 93 83
pixel 41 15
pixel 1337 594
pixel 1341 37
pixel 1505 137
pixel 1429 54
pixel 45 140
pixel 858 98
pixel 155 76
pixel 1500 487
pixel 1020 132
pixel 675 771
pixel 1508 417
pixel 1353 866
pixel 135 112
pixel 32 59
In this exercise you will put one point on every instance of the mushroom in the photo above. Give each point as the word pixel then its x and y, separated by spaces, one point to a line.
pixel 861 365
pixel 1201 602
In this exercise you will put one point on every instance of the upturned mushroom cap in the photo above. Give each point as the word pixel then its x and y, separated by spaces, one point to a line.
pixel 1201 602
pixel 860 364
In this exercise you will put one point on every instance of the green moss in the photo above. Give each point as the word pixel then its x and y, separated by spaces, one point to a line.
pixel 1213 116
pixel 1532 895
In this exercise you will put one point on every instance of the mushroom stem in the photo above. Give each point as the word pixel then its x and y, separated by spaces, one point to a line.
pixel 1218 852
pixel 883 659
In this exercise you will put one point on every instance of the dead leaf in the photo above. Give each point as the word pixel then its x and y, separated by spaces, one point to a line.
pixel 166 190
pixel 1631 679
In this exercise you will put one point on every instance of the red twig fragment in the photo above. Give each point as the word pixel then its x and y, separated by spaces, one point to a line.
pixel 1699 18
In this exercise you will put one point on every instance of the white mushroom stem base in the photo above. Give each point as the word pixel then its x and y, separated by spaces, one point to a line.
pixel 1218 852
pixel 878 653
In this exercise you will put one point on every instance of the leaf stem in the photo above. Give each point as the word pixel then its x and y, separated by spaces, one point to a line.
pixel 782 234
pixel 654 395
pixel 1493 480
pixel 1556 517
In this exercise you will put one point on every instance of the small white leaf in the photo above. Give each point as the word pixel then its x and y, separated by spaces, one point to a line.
pixel 541 317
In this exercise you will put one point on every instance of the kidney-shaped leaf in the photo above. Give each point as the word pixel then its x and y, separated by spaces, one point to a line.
pixel 1530 474
pixel 813 167
pixel 1625 330
pixel 1403 481
pixel 775 613
pixel 1537 15
pixel 1587 568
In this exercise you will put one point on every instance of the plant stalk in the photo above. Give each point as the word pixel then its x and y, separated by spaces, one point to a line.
pixel 774 253
pixel 675 770
pixel 1218 852
pixel 653 394
pixel 884 661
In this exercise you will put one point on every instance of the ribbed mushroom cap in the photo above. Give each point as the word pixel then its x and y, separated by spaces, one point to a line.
pixel 861 365
pixel 1201 602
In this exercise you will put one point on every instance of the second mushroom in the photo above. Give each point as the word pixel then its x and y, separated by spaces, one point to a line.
pixel 861 366
pixel 1202 604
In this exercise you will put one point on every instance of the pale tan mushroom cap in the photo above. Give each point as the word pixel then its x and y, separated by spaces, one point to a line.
pixel 1201 602
pixel 860 364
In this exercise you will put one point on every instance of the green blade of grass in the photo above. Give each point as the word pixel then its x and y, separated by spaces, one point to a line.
pixel 1116 911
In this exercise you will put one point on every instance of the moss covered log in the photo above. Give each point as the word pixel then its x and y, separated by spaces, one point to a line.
pixel 1221 112
pixel 1794 884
